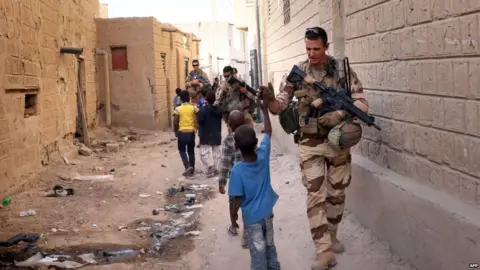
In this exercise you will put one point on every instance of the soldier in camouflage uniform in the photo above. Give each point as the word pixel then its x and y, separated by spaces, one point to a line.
pixel 326 170
pixel 232 97
pixel 194 86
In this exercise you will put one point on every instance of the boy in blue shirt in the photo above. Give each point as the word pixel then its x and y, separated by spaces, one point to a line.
pixel 251 189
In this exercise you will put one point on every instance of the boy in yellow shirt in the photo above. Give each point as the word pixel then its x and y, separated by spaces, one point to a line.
pixel 184 124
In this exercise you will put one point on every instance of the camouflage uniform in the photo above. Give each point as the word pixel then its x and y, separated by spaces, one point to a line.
pixel 231 99
pixel 326 171
pixel 194 90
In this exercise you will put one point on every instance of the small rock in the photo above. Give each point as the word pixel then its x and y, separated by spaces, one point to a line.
pixel 125 139
pixel 142 251
pixel 54 230
pixel 157 211
pixel 98 169
pixel 122 228
pixel 121 144
pixel 164 166
pixel 112 147
pixel 159 193
pixel 85 151
pixel 132 137
pixel 193 233
pixel 288 182
pixel 143 195
pixel 76 230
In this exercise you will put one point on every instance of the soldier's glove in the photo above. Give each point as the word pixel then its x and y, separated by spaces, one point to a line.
pixel 331 119
pixel 267 93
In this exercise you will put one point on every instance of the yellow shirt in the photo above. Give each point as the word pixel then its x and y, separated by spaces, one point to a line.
pixel 186 116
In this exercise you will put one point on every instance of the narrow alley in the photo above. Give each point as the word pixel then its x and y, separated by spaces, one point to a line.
pixel 112 216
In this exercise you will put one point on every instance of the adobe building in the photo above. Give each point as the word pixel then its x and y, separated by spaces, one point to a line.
pixel 38 84
pixel 416 182
pixel 149 60
pixel 42 109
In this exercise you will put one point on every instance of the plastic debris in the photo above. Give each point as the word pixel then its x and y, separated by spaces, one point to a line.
pixel 28 213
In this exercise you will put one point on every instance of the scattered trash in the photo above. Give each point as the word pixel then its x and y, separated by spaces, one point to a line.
pixel 172 190
pixel 59 191
pixel 106 177
pixel 199 187
pixel 6 202
pixel 190 195
pixel 122 228
pixel 144 195
pixel 157 211
pixel 28 213
pixel 190 201
pixel 172 208
pixel 88 258
pixel 194 206
pixel 30 238
pixel 142 229
pixel 51 260
pixel 94 226
pixel 193 233
pixel 120 255
pixel 160 238
pixel 188 214
pixel 159 193
pixel 65 160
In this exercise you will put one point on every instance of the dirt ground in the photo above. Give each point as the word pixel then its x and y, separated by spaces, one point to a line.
pixel 104 216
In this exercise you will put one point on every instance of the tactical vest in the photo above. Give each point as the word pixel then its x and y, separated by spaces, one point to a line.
pixel 298 116
pixel 233 100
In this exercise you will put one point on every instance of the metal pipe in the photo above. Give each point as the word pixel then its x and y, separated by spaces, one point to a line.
pixel 108 106
pixel 259 43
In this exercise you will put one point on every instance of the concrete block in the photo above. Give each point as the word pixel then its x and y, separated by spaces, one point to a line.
pixel 474 79
pixel 469 34
pixel 472 111
pixel 444 78
pixel 419 230
pixel 454 114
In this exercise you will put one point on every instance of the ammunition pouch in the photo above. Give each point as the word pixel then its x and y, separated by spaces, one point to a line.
pixel 289 118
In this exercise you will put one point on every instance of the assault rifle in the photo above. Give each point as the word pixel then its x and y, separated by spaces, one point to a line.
pixel 200 78
pixel 233 80
pixel 333 99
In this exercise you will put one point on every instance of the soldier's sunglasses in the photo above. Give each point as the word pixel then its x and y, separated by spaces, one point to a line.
pixel 195 65
pixel 312 31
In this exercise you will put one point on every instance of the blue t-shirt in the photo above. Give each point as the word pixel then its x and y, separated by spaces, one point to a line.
pixel 252 180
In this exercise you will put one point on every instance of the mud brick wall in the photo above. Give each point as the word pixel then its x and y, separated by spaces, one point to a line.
pixel 142 96
pixel 163 93
pixel 419 64
pixel 33 74
pixel 132 90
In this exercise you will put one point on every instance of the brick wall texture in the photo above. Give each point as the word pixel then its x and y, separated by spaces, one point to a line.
pixel 419 63
pixel 31 34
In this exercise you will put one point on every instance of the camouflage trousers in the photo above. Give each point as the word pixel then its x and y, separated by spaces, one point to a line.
pixel 326 172
pixel 247 114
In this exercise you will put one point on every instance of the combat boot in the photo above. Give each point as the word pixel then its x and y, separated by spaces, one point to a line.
pixel 324 261
pixel 337 246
